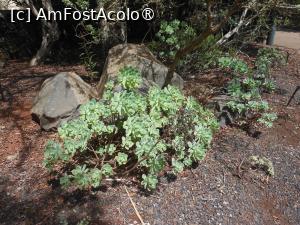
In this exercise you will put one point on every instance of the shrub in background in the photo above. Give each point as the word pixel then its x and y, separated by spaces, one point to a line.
pixel 171 37
pixel 248 84
pixel 174 35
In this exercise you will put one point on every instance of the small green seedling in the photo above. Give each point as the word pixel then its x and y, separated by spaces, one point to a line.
pixel 263 163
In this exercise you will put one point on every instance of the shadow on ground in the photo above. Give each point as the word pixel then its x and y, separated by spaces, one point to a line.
pixel 49 208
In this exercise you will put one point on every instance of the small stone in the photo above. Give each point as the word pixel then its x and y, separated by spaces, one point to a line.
pixel 2 188
pixel 12 157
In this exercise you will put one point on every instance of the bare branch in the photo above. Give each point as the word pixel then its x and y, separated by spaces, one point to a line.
pixel 297 7
pixel 236 29
pixel 209 14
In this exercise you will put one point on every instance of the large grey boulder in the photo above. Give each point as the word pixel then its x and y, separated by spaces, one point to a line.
pixel 139 57
pixel 59 99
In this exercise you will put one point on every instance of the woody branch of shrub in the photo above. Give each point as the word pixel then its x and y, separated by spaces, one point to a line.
pixel 210 30
pixel 251 8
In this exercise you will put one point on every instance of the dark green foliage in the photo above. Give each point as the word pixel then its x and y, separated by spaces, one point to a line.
pixel 176 34
pixel 171 37
pixel 266 59
pixel 204 58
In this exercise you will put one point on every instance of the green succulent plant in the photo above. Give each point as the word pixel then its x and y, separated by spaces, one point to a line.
pixel 128 132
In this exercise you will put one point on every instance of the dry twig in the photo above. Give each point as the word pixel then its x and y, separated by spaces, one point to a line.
pixel 135 209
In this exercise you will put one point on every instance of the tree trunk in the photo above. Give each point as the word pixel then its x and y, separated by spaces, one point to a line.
pixel 50 35
pixel 50 31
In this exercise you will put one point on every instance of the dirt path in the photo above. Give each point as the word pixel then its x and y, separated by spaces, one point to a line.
pixel 289 39
pixel 221 190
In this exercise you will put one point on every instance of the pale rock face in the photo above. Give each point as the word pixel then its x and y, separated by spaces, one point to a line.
pixel 8 5
pixel 59 99
pixel 141 58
